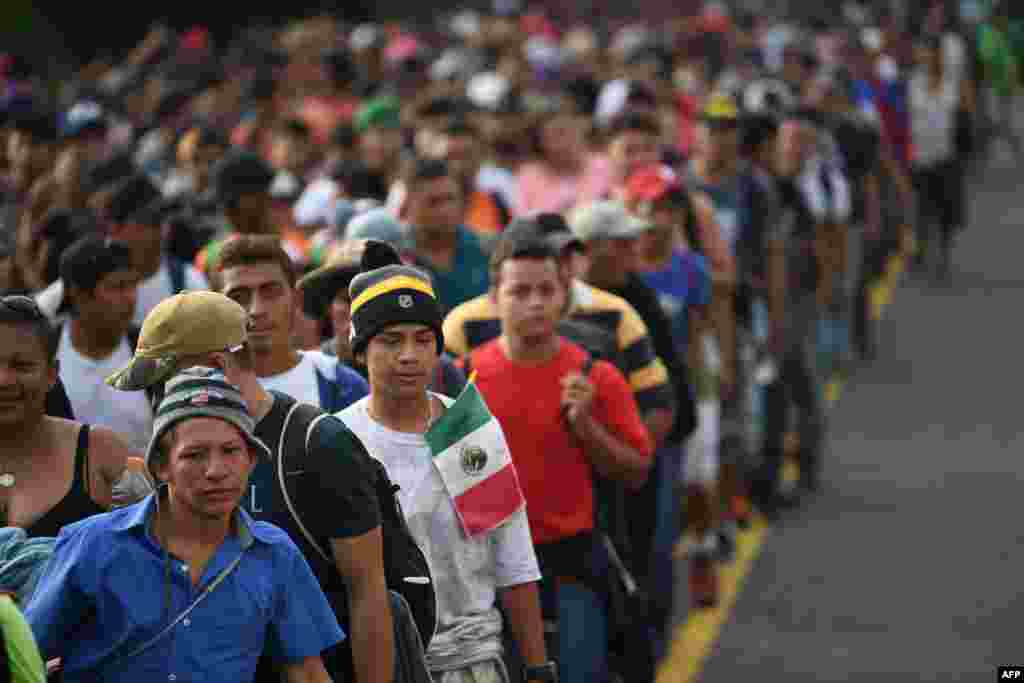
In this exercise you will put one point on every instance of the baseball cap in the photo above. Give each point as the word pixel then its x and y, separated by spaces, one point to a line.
pixel 377 224
pixel 180 327
pixel 556 231
pixel 384 111
pixel 83 118
pixel 605 219
pixel 193 395
pixel 720 111
pixel 652 183
pixel 319 287
pixel 549 227
pixel 488 90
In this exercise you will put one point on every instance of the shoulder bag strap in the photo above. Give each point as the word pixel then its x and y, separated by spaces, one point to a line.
pixel 280 475
pixel 188 610
pixel 626 576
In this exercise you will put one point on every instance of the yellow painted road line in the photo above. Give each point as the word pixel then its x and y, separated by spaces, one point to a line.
pixel 695 639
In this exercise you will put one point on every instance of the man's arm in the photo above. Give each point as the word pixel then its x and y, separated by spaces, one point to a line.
pixel 522 605
pixel 659 423
pixel 360 561
pixel 612 458
pixel 108 457
pixel 344 508
pixel 308 670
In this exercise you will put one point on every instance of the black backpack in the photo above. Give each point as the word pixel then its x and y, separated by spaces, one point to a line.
pixel 405 566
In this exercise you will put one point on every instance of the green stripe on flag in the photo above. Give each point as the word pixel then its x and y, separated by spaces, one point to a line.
pixel 468 414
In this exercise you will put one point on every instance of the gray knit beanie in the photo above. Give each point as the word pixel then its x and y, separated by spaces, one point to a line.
pixel 191 395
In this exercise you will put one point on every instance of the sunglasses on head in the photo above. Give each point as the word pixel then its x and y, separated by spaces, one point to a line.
pixel 22 305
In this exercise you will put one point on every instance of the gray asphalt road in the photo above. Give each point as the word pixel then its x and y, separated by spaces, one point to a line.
pixel 908 566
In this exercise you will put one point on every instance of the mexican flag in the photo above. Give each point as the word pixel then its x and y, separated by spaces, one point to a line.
pixel 475 465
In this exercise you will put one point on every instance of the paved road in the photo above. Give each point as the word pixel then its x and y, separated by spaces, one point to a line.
pixel 908 566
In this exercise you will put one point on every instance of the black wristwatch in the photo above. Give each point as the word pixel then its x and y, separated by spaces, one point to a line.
pixel 544 673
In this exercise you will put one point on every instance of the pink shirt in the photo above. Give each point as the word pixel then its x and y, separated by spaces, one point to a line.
pixel 543 191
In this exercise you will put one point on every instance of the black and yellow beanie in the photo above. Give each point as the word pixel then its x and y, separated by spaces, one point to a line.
pixel 386 293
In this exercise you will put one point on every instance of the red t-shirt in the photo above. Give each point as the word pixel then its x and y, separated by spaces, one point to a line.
pixel 553 470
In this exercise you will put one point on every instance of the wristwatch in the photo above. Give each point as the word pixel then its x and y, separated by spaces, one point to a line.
pixel 543 673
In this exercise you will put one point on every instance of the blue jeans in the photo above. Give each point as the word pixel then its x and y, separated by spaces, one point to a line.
pixel 580 645
pixel 667 466
pixel 582 635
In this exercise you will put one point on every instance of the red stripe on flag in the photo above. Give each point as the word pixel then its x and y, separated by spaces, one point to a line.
pixel 491 502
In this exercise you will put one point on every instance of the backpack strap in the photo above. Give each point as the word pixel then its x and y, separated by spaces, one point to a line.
pixel 299 423
pixel 610 530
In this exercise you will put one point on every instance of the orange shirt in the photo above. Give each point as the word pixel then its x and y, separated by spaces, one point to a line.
pixel 484 215
pixel 553 470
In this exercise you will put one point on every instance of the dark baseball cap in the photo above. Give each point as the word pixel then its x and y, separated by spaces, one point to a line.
pixel 551 227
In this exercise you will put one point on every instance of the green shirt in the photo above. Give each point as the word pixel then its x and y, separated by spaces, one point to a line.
pixel 998 58
pixel 23 656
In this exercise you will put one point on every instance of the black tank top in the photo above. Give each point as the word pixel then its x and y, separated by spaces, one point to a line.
pixel 77 504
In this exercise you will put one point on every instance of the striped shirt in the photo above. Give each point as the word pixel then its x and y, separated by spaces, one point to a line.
pixel 476 322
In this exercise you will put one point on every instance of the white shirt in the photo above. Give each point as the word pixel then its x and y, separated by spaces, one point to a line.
pixel 158 287
pixel 933 118
pixel 94 402
pixel 466 571
pixel 838 205
pixel 300 382
pixel 491 178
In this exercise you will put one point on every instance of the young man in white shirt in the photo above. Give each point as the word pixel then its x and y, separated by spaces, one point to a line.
pixel 396 323
pixel 94 342
pixel 257 273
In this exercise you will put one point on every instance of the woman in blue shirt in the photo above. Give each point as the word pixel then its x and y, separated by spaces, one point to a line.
pixel 671 262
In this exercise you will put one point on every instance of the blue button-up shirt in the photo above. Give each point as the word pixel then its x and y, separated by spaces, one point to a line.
pixel 105 591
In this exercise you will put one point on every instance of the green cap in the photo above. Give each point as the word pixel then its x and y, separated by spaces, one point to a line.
pixel 384 111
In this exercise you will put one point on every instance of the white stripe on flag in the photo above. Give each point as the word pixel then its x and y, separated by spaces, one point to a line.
pixel 449 461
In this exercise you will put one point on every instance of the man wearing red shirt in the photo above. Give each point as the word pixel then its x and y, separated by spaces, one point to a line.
pixel 564 425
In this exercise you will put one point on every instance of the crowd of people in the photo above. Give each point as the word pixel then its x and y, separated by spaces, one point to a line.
pixel 422 353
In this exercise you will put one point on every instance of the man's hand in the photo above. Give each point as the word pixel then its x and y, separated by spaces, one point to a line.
pixel 577 395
